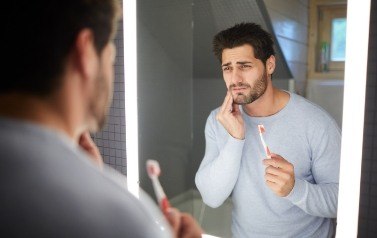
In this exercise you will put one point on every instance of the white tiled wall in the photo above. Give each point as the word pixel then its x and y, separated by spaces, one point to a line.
pixel 111 140
pixel 289 19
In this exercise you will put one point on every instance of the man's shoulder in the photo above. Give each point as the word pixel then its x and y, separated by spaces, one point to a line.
pixel 212 114
pixel 51 184
pixel 311 114
pixel 211 118
pixel 309 108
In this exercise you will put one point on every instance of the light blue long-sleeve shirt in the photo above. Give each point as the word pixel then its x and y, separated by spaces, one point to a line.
pixel 303 134
pixel 50 188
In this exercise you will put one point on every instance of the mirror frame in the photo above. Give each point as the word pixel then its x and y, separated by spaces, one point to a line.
pixel 358 13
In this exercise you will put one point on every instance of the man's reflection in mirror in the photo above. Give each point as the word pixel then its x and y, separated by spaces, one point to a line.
pixel 290 190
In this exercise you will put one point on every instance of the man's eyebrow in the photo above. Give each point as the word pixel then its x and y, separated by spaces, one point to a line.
pixel 226 64
pixel 244 62
pixel 239 62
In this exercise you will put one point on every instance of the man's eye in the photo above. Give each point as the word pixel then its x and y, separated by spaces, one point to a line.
pixel 245 66
pixel 226 68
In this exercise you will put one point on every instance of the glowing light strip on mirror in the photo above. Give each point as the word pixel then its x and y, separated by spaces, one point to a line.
pixel 353 117
pixel 130 84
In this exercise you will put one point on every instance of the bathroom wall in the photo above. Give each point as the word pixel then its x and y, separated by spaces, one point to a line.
pixel 111 141
pixel 165 90
pixel 290 21
pixel 327 93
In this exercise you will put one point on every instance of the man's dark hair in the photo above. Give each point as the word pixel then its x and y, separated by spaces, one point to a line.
pixel 245 33
pixel 40 34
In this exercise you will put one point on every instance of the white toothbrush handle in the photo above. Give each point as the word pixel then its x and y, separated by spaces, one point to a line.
pixel 264 146
pixel 158 189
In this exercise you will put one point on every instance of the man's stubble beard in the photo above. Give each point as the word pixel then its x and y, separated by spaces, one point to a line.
pixel 256 92
pixel 100 103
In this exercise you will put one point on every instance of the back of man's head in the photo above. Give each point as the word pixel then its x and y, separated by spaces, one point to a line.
pixel 245 33
pixel 40 34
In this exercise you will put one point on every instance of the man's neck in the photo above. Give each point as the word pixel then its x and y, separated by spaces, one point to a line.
pixel 271 102
pixel 36 110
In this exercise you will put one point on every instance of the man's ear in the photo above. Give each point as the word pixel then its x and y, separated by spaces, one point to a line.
pixel 270 64
pixel 86 55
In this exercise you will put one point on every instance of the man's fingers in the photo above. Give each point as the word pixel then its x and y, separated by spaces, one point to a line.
pixel 232 122
pixel 274 186
pixel 272 178
pixel 277 176
pixel 173 217
pixel 84 139
pixel 224 106
pixel 273 162
pixel 229 103
pixel 183 225
pixel 236 107
pixel 87 144
pixel 278 162
pixel 273 170
pixel 189 227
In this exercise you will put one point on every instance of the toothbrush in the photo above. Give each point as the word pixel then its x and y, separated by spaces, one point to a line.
pixel 153 169
pixel 266 149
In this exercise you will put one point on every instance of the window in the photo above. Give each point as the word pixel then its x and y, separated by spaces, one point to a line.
pixel 327 39
pixel 338 40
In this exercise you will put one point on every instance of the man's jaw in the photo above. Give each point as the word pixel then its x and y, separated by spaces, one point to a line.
pixel 239 98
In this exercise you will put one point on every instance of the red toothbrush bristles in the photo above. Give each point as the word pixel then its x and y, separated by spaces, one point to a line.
pixel 261 128
pixel 164 205
pixel 152 170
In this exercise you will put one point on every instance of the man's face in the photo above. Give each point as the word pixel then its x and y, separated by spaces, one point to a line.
pixel 103 90
pixel 244 75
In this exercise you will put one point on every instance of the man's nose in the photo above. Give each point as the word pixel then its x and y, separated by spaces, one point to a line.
pixel 236 77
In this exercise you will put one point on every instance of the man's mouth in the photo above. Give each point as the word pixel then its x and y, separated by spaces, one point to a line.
pixel 238 89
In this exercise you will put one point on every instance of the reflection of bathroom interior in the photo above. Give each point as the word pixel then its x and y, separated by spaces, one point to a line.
pixel 179 83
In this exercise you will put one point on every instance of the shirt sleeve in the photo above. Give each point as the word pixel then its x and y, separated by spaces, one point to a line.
pixel 218 171
pixel 321 197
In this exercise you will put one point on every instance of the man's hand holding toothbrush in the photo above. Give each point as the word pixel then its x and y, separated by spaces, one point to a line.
pixel 279 173
pixel 279 176
pixel 183 224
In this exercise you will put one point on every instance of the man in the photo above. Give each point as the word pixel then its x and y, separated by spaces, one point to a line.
pixel 291 192
pixel 59 61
